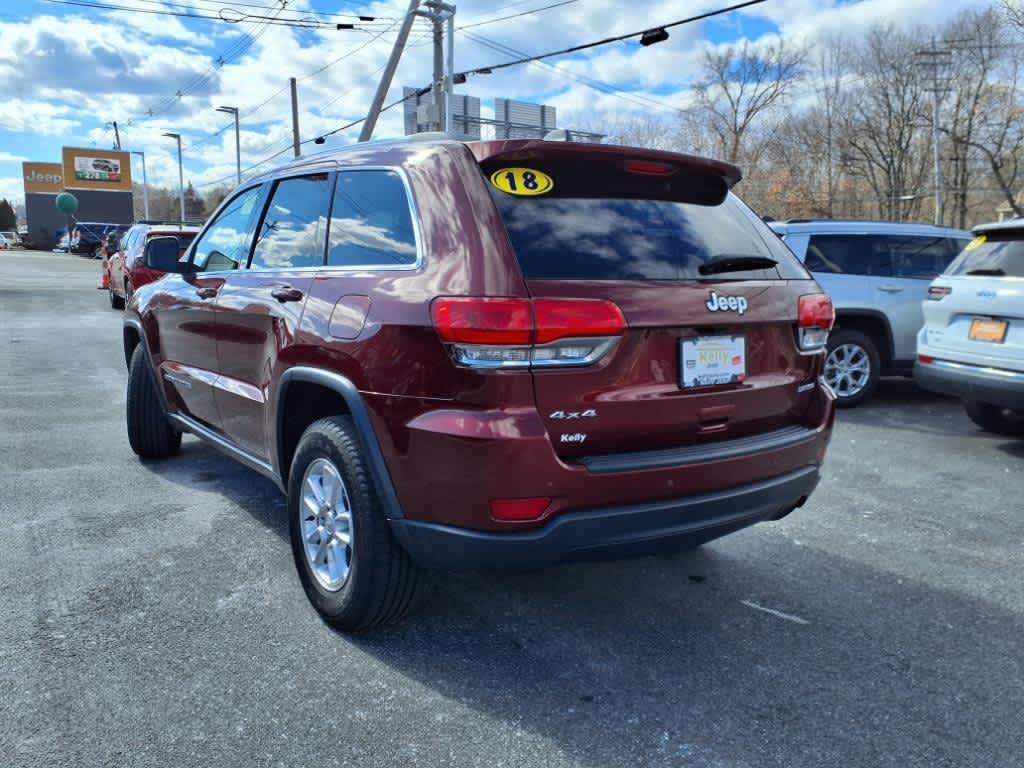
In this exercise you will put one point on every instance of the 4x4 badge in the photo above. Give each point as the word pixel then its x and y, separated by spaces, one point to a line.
pixel 716 303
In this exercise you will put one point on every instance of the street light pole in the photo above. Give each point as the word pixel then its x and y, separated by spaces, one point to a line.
pixel 145 185
pixel 181 175
pixel 238 140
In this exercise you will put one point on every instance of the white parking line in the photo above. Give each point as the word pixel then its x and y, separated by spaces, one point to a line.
pixel 773 612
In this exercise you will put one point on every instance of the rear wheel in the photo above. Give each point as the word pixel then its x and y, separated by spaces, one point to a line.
pixel 354 572
pixel 149 433
pixel 851 366
pixel 995 418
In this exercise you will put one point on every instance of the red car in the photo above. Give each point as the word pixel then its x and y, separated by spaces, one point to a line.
pixel 495 354
pixel 125 270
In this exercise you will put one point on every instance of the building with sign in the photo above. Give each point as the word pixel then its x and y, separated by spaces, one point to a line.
pixel 101 179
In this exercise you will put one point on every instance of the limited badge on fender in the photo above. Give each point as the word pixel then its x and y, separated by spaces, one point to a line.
pixel 522 181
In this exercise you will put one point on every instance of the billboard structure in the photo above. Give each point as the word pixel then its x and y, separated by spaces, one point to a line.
pixel 91 168
pixel 512 119
pixel 100 179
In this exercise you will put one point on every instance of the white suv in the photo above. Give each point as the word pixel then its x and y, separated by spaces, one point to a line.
pixel 972 343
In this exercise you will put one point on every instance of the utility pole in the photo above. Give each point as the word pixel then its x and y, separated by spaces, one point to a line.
pixel 295 116
pixel 389 72
pixel 931 60
pixel 440 89
pixel 117 136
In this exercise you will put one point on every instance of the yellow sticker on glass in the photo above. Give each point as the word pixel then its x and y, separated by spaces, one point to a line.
pixel 522 181
pixel 978 241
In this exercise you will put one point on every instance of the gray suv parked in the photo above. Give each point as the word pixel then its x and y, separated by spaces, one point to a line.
pixel 877 274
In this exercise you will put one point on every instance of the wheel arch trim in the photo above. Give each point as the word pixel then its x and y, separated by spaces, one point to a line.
pixel 360 417
pixel 872 314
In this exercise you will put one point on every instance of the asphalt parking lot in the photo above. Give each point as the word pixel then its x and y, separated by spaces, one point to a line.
pixel 151 614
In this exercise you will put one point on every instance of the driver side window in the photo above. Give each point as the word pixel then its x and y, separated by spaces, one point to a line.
pixel 225 244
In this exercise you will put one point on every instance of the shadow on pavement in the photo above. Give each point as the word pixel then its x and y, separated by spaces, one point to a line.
pixel 659 661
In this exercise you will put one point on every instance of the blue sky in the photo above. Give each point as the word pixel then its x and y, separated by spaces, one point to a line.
pixel 68 70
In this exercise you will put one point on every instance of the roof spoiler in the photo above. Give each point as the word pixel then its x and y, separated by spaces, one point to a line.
pixel 519 150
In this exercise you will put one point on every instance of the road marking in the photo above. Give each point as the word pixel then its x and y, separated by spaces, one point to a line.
pixel 773 612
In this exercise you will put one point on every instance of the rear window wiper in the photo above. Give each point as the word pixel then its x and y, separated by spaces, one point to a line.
pixel 727 262
pixel 987 272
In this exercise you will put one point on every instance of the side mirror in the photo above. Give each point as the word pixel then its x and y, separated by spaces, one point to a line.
pixel 163 254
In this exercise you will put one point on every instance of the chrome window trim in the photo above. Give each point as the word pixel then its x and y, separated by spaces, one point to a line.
pixel 413 212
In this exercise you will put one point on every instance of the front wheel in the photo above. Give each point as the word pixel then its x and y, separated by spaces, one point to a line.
pixel 116 302
pixel 996 419
pixel 352 569
pixel 851 366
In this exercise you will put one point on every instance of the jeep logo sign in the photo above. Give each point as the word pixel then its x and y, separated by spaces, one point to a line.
pixel 43 178
pixel 716 303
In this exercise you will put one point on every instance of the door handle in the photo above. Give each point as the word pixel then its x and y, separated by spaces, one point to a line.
pixel 285 293
pixel 206 292
pixel 890 288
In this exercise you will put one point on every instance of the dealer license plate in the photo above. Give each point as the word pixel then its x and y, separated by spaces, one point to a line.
pixel 983 329
pixel 708 361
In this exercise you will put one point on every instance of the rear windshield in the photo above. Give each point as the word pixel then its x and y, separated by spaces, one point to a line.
pixel 598 238
pixel 997 254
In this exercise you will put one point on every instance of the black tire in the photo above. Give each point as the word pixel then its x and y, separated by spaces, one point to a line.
pixel 382 580
pixel 128 292
pixel 149 433
pixel 116 302
pixel 846 337
pixel 995 418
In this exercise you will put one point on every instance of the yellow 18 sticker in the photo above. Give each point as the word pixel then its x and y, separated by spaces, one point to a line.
pixel 978 241
pixel 522 181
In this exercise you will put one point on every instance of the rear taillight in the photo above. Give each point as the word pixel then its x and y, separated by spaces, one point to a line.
pixel 519 333
pixel 938 292
pixel 815 317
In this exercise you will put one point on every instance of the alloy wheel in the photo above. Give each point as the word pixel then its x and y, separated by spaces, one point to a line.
pixel 848 370
pixel 325 514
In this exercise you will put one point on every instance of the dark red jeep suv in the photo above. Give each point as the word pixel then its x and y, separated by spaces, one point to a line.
pixel 494 354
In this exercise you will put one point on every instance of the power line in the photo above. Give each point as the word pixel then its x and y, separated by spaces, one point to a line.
pixel 608 40
pixel 593 83
pixel 295 23
pixel 517 15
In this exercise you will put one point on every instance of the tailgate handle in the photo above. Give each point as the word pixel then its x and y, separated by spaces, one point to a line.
pixel 716 418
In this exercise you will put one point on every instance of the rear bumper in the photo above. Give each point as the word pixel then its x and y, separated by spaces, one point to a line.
pixel 996 386
pixel 609 532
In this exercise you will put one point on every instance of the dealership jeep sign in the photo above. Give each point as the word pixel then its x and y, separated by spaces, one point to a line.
pixel 43 178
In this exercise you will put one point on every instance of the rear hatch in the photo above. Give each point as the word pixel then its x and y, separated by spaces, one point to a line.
pixel 975 309
pixel 709 295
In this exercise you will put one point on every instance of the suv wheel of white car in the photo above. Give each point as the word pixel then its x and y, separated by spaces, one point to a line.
pixel 852 366
pixel 996 419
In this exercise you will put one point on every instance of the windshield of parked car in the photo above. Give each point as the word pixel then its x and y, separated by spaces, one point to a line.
pixel 995 254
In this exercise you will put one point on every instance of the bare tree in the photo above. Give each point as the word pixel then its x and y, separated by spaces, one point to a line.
pixel 881 124
pixel 741 86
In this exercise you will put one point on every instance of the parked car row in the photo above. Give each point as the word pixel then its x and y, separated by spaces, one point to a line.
pixel 124 269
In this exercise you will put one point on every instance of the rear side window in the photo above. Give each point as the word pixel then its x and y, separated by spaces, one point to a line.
pixel 993 254
pixel 371 222
pixel 609 238
pixel 909 256
pixel 294 229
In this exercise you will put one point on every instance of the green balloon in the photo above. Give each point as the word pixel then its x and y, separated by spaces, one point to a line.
pixel 67 203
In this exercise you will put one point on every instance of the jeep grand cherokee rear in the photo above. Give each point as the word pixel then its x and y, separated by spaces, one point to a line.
pixel 500 354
